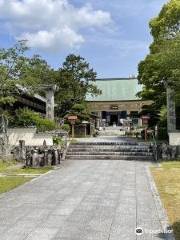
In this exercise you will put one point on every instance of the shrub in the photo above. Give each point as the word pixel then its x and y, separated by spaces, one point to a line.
pixel 25 117
pixel 58 141
pixel 28 118
pixel 45 125
pixel 65 127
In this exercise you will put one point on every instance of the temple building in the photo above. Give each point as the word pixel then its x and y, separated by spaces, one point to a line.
pixel 118 101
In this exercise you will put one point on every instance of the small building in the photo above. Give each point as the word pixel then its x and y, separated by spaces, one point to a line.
pixel 42 104
pixel 118 101
pixel 33 102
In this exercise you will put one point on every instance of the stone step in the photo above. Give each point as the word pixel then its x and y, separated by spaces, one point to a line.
pixel 108 157
pixel 110 153
pixel 113 128
pixel 124 149
pixel 107 143
pixel 112 133
pixel 110 145
pixel 108 149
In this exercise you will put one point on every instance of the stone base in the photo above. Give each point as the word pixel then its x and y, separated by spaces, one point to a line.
pixel 174 138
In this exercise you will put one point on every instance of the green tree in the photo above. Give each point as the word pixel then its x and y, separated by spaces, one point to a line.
pixel 19 72
pixel 12 61
pixel 166 25
pixel 36 73
pixel 161 67
pixel 81 110
pixel 75 79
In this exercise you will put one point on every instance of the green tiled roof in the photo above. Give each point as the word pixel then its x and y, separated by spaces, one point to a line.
pixel 116 89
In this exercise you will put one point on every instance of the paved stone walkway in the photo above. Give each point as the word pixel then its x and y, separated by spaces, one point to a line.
pixel 83 200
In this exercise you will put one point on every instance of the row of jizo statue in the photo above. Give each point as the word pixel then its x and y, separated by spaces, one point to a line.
pixel 44 155
pixel 168 152
pixel 34 156
pixel 165 151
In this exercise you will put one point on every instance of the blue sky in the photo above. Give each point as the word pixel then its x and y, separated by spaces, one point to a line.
pixel 113 35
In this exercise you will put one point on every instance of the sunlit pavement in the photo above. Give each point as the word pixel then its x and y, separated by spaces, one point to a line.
pixel 98 200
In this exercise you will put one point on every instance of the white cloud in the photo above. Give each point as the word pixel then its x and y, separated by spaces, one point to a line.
pixel 50 24
pixel 53 40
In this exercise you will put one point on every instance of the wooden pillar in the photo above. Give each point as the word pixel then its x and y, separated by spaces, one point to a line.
pixel 72 130
pixel 98 123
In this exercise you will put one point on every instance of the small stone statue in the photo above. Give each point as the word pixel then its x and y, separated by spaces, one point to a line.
pixel 49 157
pixel 44 144
pixel 35 158
pixel 168 152
pixel 56 157
pixel 38 156
pixel 41 152
pixel 46 157
pixel 22 150
pixel 164 151
pixel 15 152
pixel 173 152
pixel 29 156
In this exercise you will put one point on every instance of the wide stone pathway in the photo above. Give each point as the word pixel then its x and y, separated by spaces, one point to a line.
pixel 83 200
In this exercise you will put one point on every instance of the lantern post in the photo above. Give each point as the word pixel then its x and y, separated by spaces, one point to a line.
pixel 145 122
pixel 72 120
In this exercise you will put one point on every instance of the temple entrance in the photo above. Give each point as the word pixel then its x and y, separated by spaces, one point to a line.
pixel 114 119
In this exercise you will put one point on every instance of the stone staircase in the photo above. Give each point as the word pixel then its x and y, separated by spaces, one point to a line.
pixel 120 150
pixel 112 131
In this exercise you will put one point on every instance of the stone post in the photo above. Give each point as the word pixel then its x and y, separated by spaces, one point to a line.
pixel 22 150
pixel 4 138
pixel 50 102
pixel 171 110
pixel 140 122
pixel 72 125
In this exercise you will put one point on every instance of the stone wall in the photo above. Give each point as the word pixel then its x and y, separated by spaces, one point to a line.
pixel 174 138
pixel 30 137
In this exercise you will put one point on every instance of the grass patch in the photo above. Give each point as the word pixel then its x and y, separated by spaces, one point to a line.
pixel 170 165
pixel 4 165
pixel 8 183
pixel 167 178
pixel 32 170
pixel 13 168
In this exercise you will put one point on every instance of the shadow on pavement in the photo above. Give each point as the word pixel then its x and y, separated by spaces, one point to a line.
pixel 176 228
pixel 168 235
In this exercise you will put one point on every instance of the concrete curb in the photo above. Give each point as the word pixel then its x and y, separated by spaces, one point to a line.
pixel 163 218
